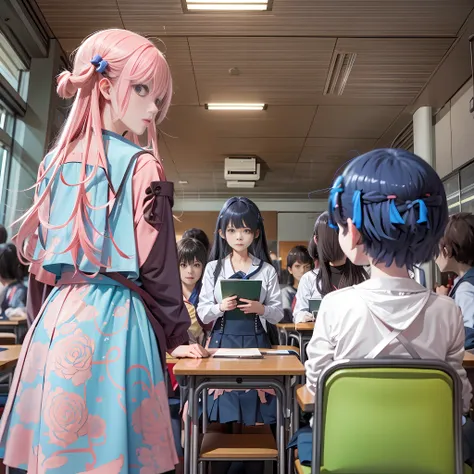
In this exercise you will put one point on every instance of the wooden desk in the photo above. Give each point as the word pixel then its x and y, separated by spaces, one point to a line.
pixel 468 362
pixel 304 327
pixel 271 372
pixel 9 358
pixel 17 326
pixel 305 399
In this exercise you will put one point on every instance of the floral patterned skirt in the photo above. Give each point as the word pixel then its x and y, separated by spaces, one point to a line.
pixel 88 394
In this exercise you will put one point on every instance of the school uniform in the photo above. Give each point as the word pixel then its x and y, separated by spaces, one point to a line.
pixel 463 294
pixel 12 296
pixel 288 294
pixel 307 290
pixel 386 317
pixel 230 331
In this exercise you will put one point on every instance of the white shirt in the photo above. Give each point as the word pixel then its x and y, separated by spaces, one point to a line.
pixel 351 322
pixel 464 298
pixel 306 290
pixel 210 296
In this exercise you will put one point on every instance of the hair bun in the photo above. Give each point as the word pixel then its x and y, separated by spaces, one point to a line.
pixel 69 83
pixel 66 87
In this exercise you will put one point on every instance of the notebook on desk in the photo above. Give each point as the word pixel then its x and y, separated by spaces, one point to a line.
pixel 248 289
pixel 238 354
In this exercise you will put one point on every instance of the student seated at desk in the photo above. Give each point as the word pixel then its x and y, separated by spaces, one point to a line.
pixel 192 258
pixel 12 273
pixel 298 263
pixel 335 270
pixel 391 227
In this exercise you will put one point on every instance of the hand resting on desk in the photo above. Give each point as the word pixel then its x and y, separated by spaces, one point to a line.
pixel 304 317
pixel 193 351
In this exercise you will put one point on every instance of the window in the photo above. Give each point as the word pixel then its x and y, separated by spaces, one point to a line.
pixel 3 165
pixel 467 188
pixel 451 187
pixel 459 187
pixel 12 68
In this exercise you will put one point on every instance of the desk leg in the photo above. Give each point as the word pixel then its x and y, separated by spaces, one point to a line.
pixel 187 429
pixel 302 351
pixel 204 410
pixel 281 409
pixel 194 396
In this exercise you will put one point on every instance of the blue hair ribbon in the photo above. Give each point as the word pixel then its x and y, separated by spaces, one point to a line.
pixel 395 217
pixel 337 188
pixel 99 63
pixel 357 208
pixel 423 219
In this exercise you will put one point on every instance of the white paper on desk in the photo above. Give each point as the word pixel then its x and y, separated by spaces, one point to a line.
pixel 237 353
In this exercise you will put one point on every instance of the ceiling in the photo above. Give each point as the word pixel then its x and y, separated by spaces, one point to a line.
pixel 304 137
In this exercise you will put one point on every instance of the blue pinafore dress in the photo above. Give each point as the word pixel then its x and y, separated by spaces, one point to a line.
pixel 234 331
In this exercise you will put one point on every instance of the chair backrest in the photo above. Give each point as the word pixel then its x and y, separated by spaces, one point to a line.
pixel 388 416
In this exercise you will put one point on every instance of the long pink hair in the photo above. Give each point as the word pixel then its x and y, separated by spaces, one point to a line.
pixel 132 59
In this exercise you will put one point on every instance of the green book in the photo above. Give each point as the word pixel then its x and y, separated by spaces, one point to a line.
pixel 248 289
pixel 314 306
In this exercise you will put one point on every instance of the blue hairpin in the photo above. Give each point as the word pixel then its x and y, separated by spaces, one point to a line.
pixel 423 219
pixel 357 208
pixel 395 217
pixel 99 63
pixel 337 188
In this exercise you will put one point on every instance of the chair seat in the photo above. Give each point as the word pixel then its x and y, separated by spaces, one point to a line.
pixel 218 446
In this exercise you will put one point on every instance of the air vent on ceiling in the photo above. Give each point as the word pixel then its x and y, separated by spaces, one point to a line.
pixel 339 71
pixel 404 139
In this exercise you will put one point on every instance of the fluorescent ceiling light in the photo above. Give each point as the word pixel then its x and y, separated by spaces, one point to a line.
pixel 228 5
pixel 183 181
pixel 217 106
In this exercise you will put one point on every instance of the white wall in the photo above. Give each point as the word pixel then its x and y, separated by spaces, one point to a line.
pixel 316 205
pixel 296 226
pixel 454 132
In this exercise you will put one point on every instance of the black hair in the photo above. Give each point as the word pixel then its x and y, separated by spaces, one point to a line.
pixel 396 201
pixel 190 250
pixel 198 234
pixel 329 251
pixel 3 234
pixel 10 266
pixel 240 212
pixel 299 253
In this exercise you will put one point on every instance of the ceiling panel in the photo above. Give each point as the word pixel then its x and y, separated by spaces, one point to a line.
pixel 176 51
pixel 163 18
pixel 269 150
pixel 391 70
pixel 353 121
pixel 303 18
pixel 79 19
pixel 325 150
pixel 198 125
pixel 271 70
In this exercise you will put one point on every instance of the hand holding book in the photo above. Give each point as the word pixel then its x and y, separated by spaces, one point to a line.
pixel 251 307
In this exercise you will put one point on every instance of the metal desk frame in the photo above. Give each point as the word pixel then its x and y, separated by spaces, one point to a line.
pixel 199 384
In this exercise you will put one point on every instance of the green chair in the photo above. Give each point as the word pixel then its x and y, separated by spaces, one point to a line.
pixel 388 416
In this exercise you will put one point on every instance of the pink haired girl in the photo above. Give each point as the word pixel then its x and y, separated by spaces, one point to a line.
pixel 89 393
